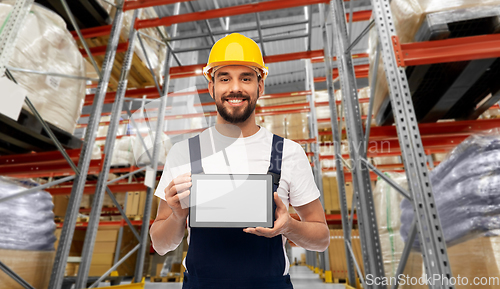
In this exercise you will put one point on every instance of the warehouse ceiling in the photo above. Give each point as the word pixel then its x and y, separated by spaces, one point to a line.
pixel 291 73
pixel 289 76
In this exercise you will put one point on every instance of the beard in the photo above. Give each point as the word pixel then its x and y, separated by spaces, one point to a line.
pixel 235 114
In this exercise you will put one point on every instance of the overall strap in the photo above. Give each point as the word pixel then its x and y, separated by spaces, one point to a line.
pixel 275 162
pixel 195 155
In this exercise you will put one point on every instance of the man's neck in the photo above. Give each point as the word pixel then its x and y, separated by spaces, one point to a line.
pixel 236 130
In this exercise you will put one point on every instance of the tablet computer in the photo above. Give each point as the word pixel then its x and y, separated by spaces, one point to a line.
pixel 231 201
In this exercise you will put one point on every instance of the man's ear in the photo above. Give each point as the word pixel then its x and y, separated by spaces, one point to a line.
pixel 261 88
pixel 211 88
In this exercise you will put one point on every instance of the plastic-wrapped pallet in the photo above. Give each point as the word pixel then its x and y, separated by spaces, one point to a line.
pixel 363 94
pixel 26 234
pixel 26 222
pixel 123 153
pixel 408 16
pixel 156 52
pixel 466 190
pixel 388 212
pixel 44 44
pixel 142 158
pixel 466 259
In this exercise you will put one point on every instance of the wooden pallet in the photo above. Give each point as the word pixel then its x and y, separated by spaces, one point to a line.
pixel 157 279
pixel 139 74
pixel 27 134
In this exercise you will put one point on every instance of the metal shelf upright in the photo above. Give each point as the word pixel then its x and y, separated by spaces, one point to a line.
pixel 410 140
pixel 336 129
pixel 7 43
pixel 426 221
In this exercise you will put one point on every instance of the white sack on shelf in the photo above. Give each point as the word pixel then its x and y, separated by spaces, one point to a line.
pixel 44 44
pixel 140 154
pixel 123 153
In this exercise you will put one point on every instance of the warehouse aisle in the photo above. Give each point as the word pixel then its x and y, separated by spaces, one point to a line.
pixel 302 278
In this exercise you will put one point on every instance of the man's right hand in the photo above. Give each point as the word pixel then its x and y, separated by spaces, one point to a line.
pixel 176 195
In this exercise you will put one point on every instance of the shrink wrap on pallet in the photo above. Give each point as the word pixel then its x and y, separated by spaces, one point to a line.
pixel 387 207
pixel 479 257
pixel 26 222
pixel 408 16
pixel 141 157
pixel 466 190
pixel 123 153
pixel 45 45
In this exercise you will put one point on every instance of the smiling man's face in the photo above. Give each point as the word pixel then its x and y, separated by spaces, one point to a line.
pixel 235 90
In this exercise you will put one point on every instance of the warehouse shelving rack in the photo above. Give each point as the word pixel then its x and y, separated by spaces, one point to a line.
pixel 414 147
pixel 484 46
pixel 83 155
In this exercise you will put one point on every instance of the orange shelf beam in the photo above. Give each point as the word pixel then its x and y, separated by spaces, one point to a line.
pixel 121 223
pixel 132 5
pixel 239 10
pixel 451 50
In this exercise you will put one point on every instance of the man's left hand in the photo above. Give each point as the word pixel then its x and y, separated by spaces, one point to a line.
pixel 281 224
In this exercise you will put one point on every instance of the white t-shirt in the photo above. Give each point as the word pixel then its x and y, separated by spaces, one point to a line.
pixel 249 155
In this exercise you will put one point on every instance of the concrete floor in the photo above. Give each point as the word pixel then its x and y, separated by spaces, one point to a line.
pixel 302 278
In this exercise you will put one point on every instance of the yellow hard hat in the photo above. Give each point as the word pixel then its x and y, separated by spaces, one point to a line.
pixel 235 49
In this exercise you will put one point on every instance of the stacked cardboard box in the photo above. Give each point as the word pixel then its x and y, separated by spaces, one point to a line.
pixel 104 249
pixel 338 264
pixel 479 257
pixel 136 202
pixel 331 194
pixel 33 266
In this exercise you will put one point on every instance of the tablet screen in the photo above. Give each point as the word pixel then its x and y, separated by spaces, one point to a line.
pixel 231 201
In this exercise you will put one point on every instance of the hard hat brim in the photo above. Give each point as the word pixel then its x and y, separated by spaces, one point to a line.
pixel 207 69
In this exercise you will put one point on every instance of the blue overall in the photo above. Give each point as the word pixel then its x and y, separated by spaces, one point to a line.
pixel 221 258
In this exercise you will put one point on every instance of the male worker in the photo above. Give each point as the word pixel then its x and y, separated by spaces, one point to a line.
pixel 232 257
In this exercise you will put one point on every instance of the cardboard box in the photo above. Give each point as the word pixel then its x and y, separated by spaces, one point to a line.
pixel 141 203
pixel 159 267
pixel 176 268
pixel 106 235
pixel 34 267
pixel 104 247
pixel 102 259
pixel 338 261
pixel 349 190
pixel 131 209
pixel 60 205
pixel 327 194
pixel 71 269
pixel 476 258
pixel 98 270
pixel 85 203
